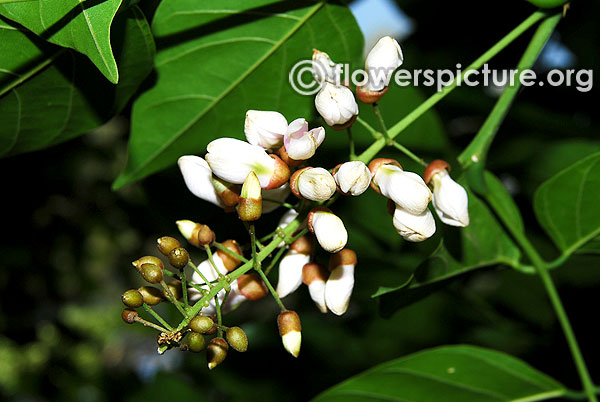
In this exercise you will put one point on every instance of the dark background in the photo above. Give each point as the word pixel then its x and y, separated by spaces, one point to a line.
pixel 67 240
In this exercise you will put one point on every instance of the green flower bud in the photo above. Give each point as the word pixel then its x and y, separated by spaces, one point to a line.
pixel 151 273
pixel 216 352
pixel 237 339
pixel 149 259
pixel 250 203
pixel 201 324
pixel 129 315
pixel 167 243
pixel 179 257
pixel 196 342
pixel 132 298
pixel 152 296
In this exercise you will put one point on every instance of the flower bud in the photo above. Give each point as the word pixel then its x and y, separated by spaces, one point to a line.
pixel 290 271
pixel 315 184
pixel 352 177
pixel 237 339
pixel 201 324
pixel 290 331
pixel 252 287
pixel 196 342
pixel 167 243
pixel 152 296
pixel 324 69
pixel 129 316
pixel 299 142
pixel 232 160
pixel 406 189
pixel 149 259
pixel 337 106
pixel 176 290
pixel 132 298
pixel 265 128
pixel 216 352
pixel 383 59
pixel 250 206
pixel 414 228
pixel 340 283
pixel 228 192
pixel 151 273
pixel 314 276
pixel 450 199
pixel 198 178
pixel 230 262
pixel 179 257
pixel 195 233
pixel 328 229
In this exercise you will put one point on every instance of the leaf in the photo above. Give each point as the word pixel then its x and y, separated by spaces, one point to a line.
pixel 83 25
pixel 566 205
pixel 216 61
pixel 483 243
pixel 449 373
pixel 502 202
pixel 49 95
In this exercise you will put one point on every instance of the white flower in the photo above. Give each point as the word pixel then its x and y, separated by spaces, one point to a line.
pixel 450 200
pixel 414 228
pixel 198 178
pixel 353 177
pixel 290 330
pixel 340 283
pixel 276 194
pixel 232 160
pixel 300 143
pixel 265 128
pixel 290 272
pixel 315 276
pixel 336 104
pixel 315 184
pixel 406 189
pixel 328 229
pixel 324 69
pixel 385 57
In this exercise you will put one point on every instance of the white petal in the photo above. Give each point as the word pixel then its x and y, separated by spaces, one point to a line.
pixel 317 294
pixel 353 177
pixel 414 228
pixel 292 341
pixel 290 272
pixel 450 200
pixel 265 128
pixel 406 189
pixel 329 231
pixel 278 194
pixel 336 104
pixel 338 289
pixel 324 69
pixel 197 176
pixel 381 62
pixel 316 184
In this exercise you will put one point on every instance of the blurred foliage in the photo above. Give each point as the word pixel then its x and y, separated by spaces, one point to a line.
pixel 67 241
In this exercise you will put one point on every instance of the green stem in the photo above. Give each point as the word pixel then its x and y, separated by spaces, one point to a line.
pixel 275 260
pixel 408 153
pixel 212 263
pixel 369 128
pixel 397 128
pixel 200 274
pixel 477 150
pixel 271 289
pixel 230 252
pixel 184 288
pixel 150 324
pixel 172 298
pixel 282 203
pixel 384 129
pixel 219 317
pixel 157 316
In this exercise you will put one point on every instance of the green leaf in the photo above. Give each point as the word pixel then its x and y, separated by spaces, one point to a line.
pixel 502 201
pixel 483 243
pixel 213 60
pixel 80 25
pixel 449 373
pixel 49 94
pixel 566 205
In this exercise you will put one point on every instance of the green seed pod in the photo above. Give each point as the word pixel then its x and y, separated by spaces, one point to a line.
pixel 132 298
pixel 167 243
pixel 196 342
pixel 129 315
pixel 152 296
pixel 216 352
pixel 175 288
pixel 149 259
pixel 151 273
pixel 237 339
pixel 201 324
pixel 179 257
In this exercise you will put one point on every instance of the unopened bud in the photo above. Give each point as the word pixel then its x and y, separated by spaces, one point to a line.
pixel 237 339
pixel 196 342
pixel 315 184
pixel 151 295
pixel 230 262
pixel 132 298
pixel 179 257
pixel 216 352
pixel 314 276
pixel 195 233
pixel 450 199
pixel 201 324
pixel 352 177
pixel 290 331
pixel 149 259
pixel 337 106
pixel 166 244
pixel 328 229
pixel 129 316
pixel 151 273
pixel 250 205
pixel 265 128
pixel 229 193
pixel 340 283
pixel 252 287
